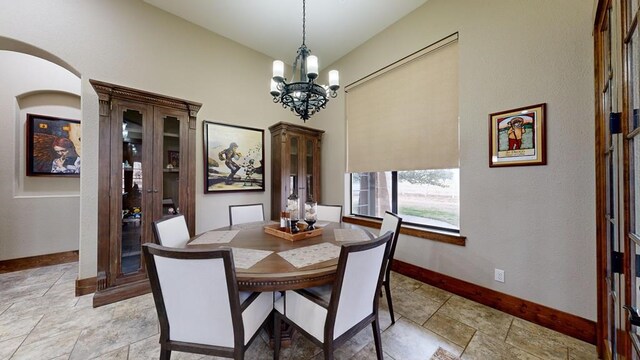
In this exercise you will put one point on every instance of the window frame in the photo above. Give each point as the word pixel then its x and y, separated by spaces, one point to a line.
pixel 394 208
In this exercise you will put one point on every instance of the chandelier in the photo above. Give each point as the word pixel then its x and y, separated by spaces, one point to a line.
pixel 302 95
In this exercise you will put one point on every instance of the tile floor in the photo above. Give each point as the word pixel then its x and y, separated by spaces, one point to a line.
pixel 41 319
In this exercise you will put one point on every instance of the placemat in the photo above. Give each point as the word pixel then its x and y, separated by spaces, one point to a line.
pixel 253 225
pixel 350 235
pixel 246 258
pixel 215 237
pixel 310 255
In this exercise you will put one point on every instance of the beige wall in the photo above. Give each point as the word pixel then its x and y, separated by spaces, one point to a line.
pixel 36 86
pixel 537 223
pixel 136 45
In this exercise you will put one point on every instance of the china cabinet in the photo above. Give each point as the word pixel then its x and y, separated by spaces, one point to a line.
pixel 295 165
pixel 146 172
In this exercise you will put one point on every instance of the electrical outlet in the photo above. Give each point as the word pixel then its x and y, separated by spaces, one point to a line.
pixel 499 275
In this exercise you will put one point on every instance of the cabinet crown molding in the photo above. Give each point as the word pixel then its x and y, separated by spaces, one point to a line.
pixel 107 92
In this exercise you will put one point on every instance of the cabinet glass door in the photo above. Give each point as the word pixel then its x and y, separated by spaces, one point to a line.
pixel 133 182
pixel 171 155
pixel 309 161
pixel 294 160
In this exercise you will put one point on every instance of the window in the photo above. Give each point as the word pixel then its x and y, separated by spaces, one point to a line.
pixel 429 198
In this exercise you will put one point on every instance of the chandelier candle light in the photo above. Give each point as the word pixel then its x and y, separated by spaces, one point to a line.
pixel 303 95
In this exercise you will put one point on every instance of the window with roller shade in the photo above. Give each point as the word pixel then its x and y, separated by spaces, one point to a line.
pixel 402 139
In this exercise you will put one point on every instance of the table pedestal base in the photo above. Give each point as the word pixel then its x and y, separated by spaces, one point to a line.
pixel 286 334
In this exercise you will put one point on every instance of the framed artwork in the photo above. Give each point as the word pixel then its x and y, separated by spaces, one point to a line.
pixel 53 146
pixel 233 158
pixel 173 159
pixel 517 137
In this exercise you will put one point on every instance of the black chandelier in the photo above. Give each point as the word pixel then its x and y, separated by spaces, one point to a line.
pixel 303 95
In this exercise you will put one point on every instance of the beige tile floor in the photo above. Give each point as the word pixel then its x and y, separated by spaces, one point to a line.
pixel 40 319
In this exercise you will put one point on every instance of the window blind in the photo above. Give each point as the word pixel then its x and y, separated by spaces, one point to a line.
pixel 405 116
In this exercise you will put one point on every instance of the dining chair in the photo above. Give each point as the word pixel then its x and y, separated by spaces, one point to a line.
pixel 390 222
pixel 171 231
pixel 199 307
pixel 329 213
pixel 240 214
pixel 330 315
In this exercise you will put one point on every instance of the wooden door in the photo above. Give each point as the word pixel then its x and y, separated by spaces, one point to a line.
pixel 631 133
pixel 610 246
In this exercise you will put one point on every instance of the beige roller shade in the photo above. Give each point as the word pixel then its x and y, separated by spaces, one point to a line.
pixel 405 117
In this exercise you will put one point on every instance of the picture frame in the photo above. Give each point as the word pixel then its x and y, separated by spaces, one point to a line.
pixel 173 159
pixel 233 158
pixel 53 146
pixel 517 137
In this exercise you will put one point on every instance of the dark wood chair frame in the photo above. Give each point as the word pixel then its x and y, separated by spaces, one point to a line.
pixel 340 206
pixel 387 272
pixel 243 205
pixel 330 344
pixel 167 345
pixel 156 233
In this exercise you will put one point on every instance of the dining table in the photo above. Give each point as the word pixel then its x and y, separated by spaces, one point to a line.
pixel 265 262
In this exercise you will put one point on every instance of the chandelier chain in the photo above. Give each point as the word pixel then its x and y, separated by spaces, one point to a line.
pixel 304 25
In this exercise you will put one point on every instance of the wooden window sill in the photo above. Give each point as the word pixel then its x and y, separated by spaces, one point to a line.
pixel 444 237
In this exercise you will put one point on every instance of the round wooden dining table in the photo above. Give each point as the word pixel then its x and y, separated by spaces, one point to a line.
pixel 274 273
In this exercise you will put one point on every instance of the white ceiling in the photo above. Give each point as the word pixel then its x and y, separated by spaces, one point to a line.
pixel 274 27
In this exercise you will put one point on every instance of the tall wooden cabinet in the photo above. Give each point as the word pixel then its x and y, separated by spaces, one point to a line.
pixel 146 172
pixel 295 165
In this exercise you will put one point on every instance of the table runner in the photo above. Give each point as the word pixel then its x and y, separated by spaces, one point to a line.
pixel 253 225
pixel 215 237
pixel 350 235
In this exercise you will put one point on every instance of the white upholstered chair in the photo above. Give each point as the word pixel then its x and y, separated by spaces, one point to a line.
pixel 240 214
pixel 172 232
pixel 390 222
pixel 199 307
pixel 329 213
pixel 332 314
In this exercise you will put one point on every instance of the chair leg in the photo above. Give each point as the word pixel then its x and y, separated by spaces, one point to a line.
pixel 165 354
pixel 376 338
pixel 327 348
pixel 387 290
pixel 277 331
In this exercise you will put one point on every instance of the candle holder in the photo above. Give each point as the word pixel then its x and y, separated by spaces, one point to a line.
pixel 294 212
pixel 310 213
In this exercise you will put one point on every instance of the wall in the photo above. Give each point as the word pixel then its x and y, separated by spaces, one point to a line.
pixel 537 223
pixel 136 45
pixel 33 85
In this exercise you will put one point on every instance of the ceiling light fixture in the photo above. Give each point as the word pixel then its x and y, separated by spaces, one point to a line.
pixel 303 95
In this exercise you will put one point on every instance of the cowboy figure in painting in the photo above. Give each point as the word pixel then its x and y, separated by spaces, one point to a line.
pixel 516 129
pixel 228 155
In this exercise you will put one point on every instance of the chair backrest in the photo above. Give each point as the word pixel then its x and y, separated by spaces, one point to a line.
pixel 240 214
pixel 329 213
pixel 172 232
pixel 196 295
pixel 357 286
pixel 391 222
